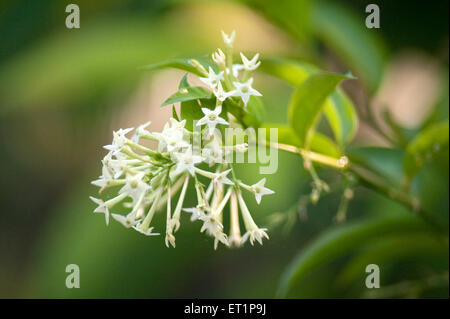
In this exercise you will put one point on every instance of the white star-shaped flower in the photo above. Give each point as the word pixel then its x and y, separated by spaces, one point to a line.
pixel 214 228
pixel 250 65
pixel 102 208
pixel 235 69
pixel 196 212
pixel 186 161
pixel 221 95
pixel 213 79
pixel 222 178
pixel 257 234
pixel 106 176
pixel 119 140
pixel 172 136
pixel 135 186
pixel 259 190
pixel 125 220
pixel 228 39
pixel 119 167
pixel 149 232
pixel 212 118
pixel 140 131
pixel 245 90
pixel 213 153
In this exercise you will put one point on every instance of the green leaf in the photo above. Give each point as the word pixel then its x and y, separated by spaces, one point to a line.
pixel 190 110
pixel 344 31
pixel 340 241
pixel 339 109
pixel 394 247
pixel 174 113
pixel 340 113
pixel 292 15
pixel 181 64
pixel 424 146
pixel 286 134
pixel 322 144
pixel 255 109
pixel 184 82
pixel 386 162
pixel 188 94
pixel 294 72
pixel 307 102
pixel 246 118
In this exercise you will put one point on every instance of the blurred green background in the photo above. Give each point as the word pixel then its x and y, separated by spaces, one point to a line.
pixel 63 91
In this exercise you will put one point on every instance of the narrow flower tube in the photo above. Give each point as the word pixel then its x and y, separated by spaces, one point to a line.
pixel 175 222
pixel 235 233
pixel 147 220
pixel 170 238
pixel 253 232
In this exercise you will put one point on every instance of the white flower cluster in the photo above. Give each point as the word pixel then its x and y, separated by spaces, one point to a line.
pixel 144 181
pixel 229 77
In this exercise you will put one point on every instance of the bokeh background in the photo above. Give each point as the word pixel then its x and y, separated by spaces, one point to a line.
pixel 62 92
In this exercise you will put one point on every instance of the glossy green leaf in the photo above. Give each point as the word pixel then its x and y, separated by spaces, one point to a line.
pixel 340 113
pixel 340 241
pixel 188 94
pixel 308 100
pixel 424 146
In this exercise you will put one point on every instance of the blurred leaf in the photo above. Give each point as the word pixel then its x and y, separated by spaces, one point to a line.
pixel 291 15
pixel 286 134
pixel 339 109
pixel 386 162
pixel 292 71
pixel 340 113
pixel 307 102
pixel 417 245
pixel 347 35
pixel 440 111
pixel 255 108
pixel 73 68
pixel 402 135
pixel 342 240
pixel 324 145
pixel 188 94
pixel 424 146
